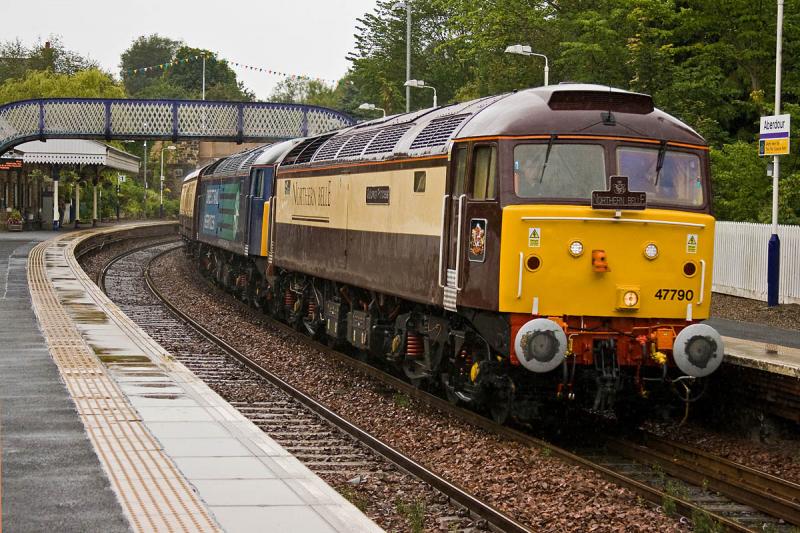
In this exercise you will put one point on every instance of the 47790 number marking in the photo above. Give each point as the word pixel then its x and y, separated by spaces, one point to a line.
pixel 675 294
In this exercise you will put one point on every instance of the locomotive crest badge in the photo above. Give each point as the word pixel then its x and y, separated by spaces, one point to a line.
pixel 618 196
pixel 476 252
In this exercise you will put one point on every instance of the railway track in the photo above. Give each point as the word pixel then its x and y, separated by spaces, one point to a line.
pixel 327 444
pixel 677 477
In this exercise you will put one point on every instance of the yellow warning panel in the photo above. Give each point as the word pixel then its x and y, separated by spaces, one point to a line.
pixel 774 146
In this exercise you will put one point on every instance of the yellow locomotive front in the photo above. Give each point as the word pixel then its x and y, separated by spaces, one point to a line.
pixel 606 257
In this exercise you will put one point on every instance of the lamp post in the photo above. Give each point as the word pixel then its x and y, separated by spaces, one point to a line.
pixel 525 50
pixel 371 107
pixel 171 147
pixel 421 85
pixel 144 199
pixel 406 4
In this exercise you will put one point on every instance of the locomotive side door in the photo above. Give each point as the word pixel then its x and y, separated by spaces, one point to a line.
pixel 451 247
pixel 260 193
pixel 255 210
pixel 472 228
pixel 480 237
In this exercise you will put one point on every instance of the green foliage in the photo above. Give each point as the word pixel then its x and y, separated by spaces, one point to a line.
pixel 414 512
pixel 145 51
pixel 708 62
pixel 703 523
pixel 17 59
pixel 183 78
pixel 91 83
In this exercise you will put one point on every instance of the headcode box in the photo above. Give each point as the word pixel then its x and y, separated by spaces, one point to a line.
pixel 774 135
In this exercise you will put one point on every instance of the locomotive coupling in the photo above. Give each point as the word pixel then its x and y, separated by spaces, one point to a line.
pixel 540 345
pixel 698 350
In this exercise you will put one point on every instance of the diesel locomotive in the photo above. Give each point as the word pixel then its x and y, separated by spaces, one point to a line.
pixel 551 244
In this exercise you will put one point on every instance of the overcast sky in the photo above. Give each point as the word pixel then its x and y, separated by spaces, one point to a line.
pixel 310 37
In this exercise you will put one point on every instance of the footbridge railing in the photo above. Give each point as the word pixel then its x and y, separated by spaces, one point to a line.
pixel 109 119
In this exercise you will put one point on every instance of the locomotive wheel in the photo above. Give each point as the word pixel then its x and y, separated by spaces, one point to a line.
pixel 415 372
pixel 501 402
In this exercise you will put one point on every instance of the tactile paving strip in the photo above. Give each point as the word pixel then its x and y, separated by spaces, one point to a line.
pixel 154 494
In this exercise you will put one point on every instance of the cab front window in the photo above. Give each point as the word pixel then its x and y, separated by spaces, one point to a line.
pixel 550 170
pixel 667 176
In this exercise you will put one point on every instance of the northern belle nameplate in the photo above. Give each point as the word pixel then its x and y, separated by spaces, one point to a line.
pixel 618 196
pixel 378 195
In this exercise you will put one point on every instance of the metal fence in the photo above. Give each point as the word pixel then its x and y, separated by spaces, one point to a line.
pixel 740 260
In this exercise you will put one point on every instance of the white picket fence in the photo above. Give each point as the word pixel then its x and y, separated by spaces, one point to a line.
pixel 740 260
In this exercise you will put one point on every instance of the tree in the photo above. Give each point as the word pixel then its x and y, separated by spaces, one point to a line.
pixel 91 83
pixel 16 59
pixel 145 51
pixel 175 71
pixel 221 81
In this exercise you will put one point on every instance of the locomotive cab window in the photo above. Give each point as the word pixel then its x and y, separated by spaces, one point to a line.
pixel 460 169
pixel 256 178
pixel 548 170
pixel 667 176
pixel 484 173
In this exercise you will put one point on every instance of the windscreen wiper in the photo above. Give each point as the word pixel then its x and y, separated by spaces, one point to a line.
pixel 662 151
pixel 547 157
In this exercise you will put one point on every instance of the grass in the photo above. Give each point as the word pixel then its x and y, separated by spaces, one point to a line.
pixel 414 512
pixel 401 400
pixel 703 523
pixel 354 497
pixel 673 490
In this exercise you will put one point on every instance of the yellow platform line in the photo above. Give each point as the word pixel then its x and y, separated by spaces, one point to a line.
pixel 153 493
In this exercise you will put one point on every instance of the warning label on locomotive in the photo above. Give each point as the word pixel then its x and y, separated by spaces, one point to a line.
pixel 534 237
pixel 618 196
pixel 691 243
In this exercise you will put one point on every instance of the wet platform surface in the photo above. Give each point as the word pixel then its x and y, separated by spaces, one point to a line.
pixel 179 457
pixel 50 477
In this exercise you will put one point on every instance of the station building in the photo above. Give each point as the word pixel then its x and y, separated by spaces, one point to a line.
pixel 30 174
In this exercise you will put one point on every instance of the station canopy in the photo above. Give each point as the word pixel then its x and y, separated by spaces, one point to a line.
pixel 74 152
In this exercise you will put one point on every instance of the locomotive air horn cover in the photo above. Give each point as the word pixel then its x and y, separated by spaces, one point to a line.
pixel 540 345
pixel 698 350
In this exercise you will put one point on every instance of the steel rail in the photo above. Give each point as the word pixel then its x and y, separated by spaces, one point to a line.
pixel 645 491
pixel 772 495
pixel 495 518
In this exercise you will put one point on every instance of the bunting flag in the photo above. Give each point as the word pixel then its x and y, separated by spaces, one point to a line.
pixel 268 71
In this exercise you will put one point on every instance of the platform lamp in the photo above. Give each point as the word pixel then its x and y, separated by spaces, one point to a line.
pixel 419 84
pixel 171 147
pixel 525 50
pixel 371 107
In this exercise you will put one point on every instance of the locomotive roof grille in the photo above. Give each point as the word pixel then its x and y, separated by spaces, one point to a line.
pixel 639 104
pixel 356 144
pixel 310 149
pixel 231 164
pixel 331 148
pixel 253 156
pixel 438 131
pixel 386 140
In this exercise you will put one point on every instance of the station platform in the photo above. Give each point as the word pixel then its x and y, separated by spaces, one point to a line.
pixel 101 430
pixel 760 347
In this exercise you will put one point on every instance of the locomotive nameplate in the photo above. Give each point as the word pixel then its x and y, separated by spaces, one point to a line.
pixel 618 196
pixel 378 195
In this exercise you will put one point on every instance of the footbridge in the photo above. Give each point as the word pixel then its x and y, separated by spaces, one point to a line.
pixel 176 120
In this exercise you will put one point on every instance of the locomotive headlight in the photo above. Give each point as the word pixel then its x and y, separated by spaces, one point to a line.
pixel 630 299
pixel 651 251
pixel 576 248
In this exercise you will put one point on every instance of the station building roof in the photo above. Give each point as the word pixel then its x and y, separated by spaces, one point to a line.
pixel 75 152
